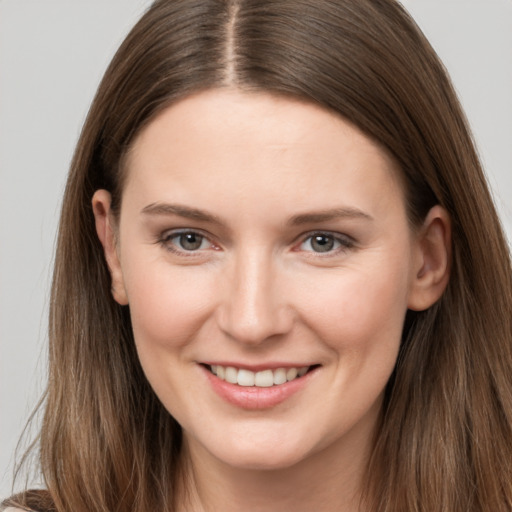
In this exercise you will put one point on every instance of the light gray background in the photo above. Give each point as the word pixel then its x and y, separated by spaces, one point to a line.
pixel 52 56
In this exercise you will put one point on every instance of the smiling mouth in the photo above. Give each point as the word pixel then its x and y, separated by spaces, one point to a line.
pixel 261 379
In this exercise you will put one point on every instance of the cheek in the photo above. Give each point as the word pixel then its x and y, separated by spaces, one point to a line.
pixel 166 304
pixel 360 311
pixel 167 308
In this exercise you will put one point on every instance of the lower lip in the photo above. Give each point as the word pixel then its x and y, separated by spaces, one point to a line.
pixel 253 397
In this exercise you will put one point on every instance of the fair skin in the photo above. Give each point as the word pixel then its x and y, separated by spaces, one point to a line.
pixel 266 234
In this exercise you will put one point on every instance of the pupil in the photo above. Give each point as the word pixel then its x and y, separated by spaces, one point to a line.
pixel 190 241
pixel 322 243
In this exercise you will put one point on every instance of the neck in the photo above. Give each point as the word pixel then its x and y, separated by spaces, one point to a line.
pixel 329 480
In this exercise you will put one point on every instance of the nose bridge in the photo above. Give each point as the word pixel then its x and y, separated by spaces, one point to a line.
pixel 254 306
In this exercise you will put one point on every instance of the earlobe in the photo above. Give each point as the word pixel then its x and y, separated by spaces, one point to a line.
pixel 106 233
pixel 433 260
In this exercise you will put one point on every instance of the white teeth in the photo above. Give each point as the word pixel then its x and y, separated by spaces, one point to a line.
pixel 231 375
pixel 262 379
pixel 303 371
pixel 291 373
pixel 279 376
pixel 245 378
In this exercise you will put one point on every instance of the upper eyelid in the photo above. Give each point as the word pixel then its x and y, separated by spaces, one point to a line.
pixel 345 239
pixel 164 239
pixel 336 235
pixel 346 243
pixel 170 233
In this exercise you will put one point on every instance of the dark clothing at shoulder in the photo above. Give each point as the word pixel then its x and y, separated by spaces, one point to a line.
pixel 38 500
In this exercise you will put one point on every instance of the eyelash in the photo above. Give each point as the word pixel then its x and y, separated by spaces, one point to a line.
pixel 344 243
pixel 165 240
pixel 341 243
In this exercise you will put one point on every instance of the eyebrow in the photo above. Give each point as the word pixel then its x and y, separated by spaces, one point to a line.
pixel 328 215
pixel 181 211
pixel 297 220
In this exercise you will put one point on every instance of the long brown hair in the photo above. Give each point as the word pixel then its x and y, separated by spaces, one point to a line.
pixel 445 439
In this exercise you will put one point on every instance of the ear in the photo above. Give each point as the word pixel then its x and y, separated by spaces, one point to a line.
pixel 432 261
pixel 105 228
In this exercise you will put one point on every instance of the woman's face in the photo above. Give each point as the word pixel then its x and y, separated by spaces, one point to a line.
pixel 260 238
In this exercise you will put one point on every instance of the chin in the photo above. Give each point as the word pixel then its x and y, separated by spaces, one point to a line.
pixel 263 455
pixel 257 461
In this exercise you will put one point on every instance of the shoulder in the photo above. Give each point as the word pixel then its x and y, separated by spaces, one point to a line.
pixel 31 500
pixel 12 508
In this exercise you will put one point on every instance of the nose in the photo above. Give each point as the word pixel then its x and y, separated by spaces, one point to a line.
pixel 254 306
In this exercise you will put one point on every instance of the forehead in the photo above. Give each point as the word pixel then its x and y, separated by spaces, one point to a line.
pixel 228 143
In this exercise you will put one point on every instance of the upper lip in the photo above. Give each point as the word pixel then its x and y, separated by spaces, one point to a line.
pixel 274 365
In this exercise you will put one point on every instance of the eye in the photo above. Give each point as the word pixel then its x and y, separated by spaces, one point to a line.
pixel 325 243
pixel 185 241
